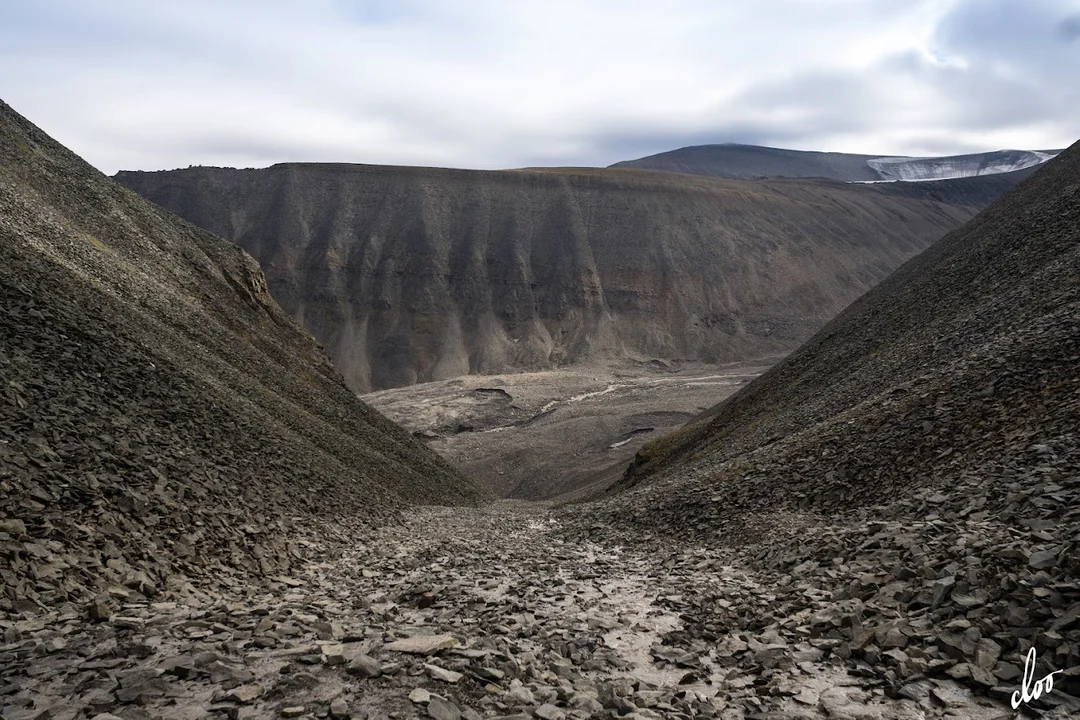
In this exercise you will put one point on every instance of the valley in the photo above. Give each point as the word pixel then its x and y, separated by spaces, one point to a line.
pixel 555 443
pixel 561 433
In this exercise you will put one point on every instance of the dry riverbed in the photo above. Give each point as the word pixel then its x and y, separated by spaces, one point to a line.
pixel 559 433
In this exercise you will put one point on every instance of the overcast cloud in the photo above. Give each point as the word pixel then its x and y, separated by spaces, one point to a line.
pixel 146 84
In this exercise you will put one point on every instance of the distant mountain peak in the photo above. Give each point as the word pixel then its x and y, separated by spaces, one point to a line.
pixel 739 161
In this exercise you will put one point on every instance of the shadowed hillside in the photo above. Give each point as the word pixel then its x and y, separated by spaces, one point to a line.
pixel 161 418
pixel 415 274
pixel 918 457
pixel 998 286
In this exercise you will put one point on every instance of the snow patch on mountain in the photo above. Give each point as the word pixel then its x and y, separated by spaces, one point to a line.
pixel 915 169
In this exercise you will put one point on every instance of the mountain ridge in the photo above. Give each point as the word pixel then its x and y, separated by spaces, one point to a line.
pixel 741 161
pixel 536 269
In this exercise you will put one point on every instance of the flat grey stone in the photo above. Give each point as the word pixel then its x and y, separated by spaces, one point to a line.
pixel 438 673
pixel 441 709
pixel 422 644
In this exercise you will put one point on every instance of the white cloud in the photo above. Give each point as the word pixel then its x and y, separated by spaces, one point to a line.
pixel 141 84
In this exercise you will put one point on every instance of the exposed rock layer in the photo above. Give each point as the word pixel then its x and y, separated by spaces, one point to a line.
pixel 415 274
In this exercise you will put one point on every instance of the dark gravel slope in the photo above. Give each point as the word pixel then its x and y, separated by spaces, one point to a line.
pixel 976 192
pixel 161 418
pixel 916 463
pixel 986 311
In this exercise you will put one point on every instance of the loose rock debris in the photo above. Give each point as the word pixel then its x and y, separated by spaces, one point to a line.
pixel 502 611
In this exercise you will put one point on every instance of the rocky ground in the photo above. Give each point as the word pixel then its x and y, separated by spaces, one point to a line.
pixel 199 520
pixel 511 611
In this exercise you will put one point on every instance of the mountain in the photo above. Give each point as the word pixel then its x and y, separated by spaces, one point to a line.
pixel 732 160
pixel 978 297
pixel 409 275
pixel 161 419
pixel 919 457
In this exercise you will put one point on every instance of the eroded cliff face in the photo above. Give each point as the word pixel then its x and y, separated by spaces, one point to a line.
pixel 414 274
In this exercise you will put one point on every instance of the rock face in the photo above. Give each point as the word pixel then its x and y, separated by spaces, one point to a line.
pixel 918 459
pixel 733 160
pixel 415 274
pixel 161 419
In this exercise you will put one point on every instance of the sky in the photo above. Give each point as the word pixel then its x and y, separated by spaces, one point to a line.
pixel 152 84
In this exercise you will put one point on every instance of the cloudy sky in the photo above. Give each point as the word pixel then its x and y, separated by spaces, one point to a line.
pixel 152 84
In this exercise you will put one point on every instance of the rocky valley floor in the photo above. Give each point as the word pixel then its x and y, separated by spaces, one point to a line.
pixel 509 610
pixel 560 433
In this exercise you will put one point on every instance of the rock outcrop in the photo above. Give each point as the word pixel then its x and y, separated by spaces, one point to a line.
pixel 415 274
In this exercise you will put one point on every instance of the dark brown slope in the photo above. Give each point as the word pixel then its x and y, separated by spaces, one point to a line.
pixel 997 291
pixel 160 416
pixel 415 274
pixel 917 461
pixel 975 192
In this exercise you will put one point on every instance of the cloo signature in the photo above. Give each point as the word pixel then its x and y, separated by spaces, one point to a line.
pixel 1027 691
